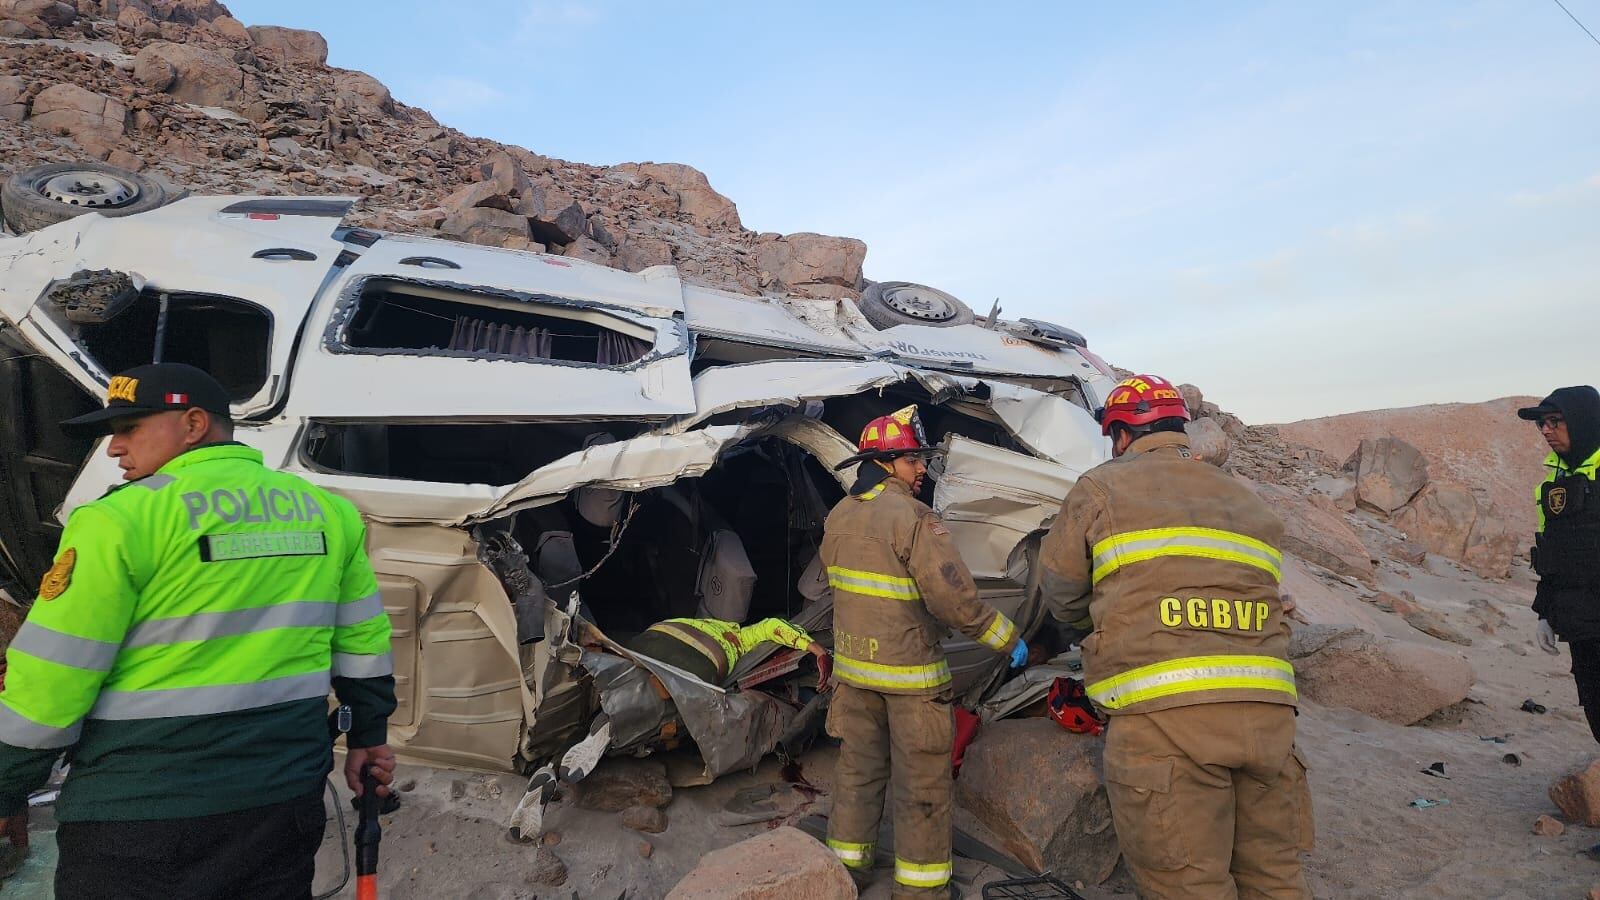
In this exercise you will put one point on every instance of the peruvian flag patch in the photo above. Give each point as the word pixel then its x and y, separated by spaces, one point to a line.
pixel 177 398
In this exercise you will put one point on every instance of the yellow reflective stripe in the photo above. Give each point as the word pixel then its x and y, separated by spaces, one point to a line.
pixel 873 584
pixel 1130 547
pixel 878 675
pixel 999 633
pixel 856 856
pixel 1193 674
pixel 922 874
pixel 874 492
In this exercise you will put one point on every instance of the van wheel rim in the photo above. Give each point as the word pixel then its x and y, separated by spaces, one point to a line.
pixel 95 190
pixel 919 304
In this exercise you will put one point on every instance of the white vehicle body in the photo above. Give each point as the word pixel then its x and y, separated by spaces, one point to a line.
pixel 466 398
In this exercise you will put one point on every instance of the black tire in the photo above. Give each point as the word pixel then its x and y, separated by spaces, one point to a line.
pixel 889 303
pixel 34 198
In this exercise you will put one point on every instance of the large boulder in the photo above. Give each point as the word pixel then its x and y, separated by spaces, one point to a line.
pixel 1389 472
pixel 187 12
pixel 96 122
pixel 1397 681
pixel 803 259
pixel 53 13
pixel 364 92
pixel 1578 795
pixel 1451 522
pixel 295 45
pixel 1317 533
pixel 488 227
pixel 1065 829
pixel 13 98
pixel 696 198
pixel 783 864
pixel 1208 442
pixel 194 74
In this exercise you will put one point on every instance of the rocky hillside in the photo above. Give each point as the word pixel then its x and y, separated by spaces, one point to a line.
pixel 1481 447
pixel 182 91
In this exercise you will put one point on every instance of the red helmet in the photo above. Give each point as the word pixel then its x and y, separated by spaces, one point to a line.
pixel 886 437
pixel 1141 400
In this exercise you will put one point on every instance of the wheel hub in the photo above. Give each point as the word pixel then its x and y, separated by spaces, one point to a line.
pixel 919 304
pixel 92 189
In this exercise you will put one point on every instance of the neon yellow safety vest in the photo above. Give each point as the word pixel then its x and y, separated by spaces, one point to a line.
pixel 215 586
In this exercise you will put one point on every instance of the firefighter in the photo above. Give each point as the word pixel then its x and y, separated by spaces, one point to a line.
pixel 1567 545
pixel 1173 567
pixel 181 651
pixel 898 583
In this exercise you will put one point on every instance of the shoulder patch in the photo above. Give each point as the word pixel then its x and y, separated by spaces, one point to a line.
pixel 56 581
pixel 937 527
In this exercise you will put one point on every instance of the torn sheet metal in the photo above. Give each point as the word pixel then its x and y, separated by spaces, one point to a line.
pixel 789 383
pixel 1029 687
pixel 637 712
pixel 972 348
pixel 1051 426
pixel 732 729
pixel 992 499
pixel 647 461
pixel 760 321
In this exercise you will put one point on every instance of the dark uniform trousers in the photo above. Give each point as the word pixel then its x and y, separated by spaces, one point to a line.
pixel 266 853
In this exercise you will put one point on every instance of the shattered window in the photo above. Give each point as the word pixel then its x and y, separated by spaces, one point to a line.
pixel 227 338
pixel 394 315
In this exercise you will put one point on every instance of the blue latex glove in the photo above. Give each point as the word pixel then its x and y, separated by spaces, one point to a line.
pixel 1019 654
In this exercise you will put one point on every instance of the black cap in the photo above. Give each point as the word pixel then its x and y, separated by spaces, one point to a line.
pixel 1535 413
pixel 142 390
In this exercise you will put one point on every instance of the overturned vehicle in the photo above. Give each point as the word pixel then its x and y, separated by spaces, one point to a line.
pixel 550 455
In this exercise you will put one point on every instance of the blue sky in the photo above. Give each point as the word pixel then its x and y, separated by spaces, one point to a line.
pixel 1303 208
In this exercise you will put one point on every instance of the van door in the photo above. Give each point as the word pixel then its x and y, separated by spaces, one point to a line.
pixel 994 502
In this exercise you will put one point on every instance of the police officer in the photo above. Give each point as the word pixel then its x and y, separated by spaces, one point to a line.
pixel 1174 567
pixel 180 652
pixel 898 583
pixel 1567 545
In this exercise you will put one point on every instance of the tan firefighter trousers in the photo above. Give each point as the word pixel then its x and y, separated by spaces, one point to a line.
pixel 910 736
pixel 1210 801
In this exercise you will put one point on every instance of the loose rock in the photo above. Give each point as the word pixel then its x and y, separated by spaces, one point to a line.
pixel 548 868
pixel 645 818
pixel 618 784
pixel 783 864
pixel 1547 826
pixel 1578 795
pixel 295 45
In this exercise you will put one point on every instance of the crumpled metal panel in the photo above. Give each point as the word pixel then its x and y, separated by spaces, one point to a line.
pixel 732 729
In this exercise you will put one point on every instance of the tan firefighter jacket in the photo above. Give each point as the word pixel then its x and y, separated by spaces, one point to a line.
pixel 898 582
pixel 1177 564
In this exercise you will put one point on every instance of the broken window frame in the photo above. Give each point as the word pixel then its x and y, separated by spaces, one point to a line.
pixel 666 337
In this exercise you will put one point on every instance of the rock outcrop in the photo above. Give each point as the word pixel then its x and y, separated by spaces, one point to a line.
pixel 215 107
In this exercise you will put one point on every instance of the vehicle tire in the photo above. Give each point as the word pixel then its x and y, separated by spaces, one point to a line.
pixel 44 195
pixel 889 303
